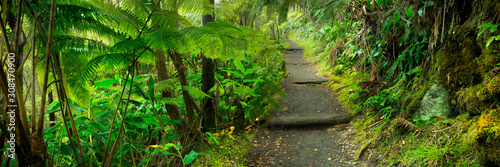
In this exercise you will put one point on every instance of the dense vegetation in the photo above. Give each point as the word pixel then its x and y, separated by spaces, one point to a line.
pixel 133 82
pixel 420 76
pixel 177 82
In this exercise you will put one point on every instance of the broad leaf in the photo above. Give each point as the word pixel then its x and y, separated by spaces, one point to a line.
pixel 106 83
pixel 239 66
pixel 409 10
pixel 396 19
pixel 170 137
pixel 388 27
pixel 190 157
pixel 151 87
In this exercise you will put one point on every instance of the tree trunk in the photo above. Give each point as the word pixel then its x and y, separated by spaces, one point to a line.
pixel 52 116
pixel 193 125
pixel 239 116
pixel 172 110
pixel 207 82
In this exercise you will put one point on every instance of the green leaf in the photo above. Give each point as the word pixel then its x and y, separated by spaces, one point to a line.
pixel 196 93
pixel 53 107
pixel 380 2
pixel 151 87
pixel 253 80
pixel 481 32
pixel 420 11
pixel 388 27
pixel 396 19
pixel 170 137
pixel 52 129
pixel 492 39
pixel 336 23
pixel 190 157
pixel 239 66
pixel 78 109
pixel 487 25
pixel 243 103
pixel 145 160
pixel 168 153
pixel 249 71
pixel 235 73
pixel 409 10
pixel 167 100
pixel 106 83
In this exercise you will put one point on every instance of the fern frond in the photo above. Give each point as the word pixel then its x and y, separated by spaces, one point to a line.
pixel 243 90
pixel 168 100
pixel 107 61
pixel 195 93
pixel 165 85
pixel 79 90
pixel 129 45
pixel 123 19
pixel 73 45
pixel 166 19
pixel 164 38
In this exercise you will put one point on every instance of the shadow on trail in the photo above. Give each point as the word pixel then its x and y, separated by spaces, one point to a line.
pixel 309 131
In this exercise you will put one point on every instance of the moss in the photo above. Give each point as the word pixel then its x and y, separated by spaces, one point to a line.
pixel 457 64
pixel 493 85
pixel 468 99
pixel 486 135
pixel 487 61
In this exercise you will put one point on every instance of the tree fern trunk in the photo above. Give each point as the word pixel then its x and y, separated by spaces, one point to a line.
pixel 239 116
pixel 172 110
pixel 193 125
pixel 207 82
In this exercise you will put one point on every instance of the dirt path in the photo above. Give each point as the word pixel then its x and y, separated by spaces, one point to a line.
pixel 319 146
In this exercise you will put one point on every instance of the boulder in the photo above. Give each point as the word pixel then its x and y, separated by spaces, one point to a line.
pixel 435 103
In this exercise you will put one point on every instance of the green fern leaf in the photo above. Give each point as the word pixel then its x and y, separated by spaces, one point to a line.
pixel 196 93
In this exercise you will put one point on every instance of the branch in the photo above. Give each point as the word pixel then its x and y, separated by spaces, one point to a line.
pixel 149 17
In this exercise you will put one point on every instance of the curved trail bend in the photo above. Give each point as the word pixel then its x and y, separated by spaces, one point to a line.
pixel 311 145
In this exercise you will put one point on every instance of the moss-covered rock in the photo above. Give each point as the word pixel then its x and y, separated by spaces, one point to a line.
pixel 434 103
pixel 457 64
pixel 487 61
pixel 493 85
pixel 486 135
pixel 468 100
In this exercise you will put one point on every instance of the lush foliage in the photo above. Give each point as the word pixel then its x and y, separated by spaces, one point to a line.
pixel 119 83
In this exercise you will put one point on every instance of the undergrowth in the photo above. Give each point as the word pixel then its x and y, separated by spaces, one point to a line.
pixel 387 142
pixel 225 149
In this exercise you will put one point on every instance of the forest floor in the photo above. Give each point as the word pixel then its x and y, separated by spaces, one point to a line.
pixel 313 145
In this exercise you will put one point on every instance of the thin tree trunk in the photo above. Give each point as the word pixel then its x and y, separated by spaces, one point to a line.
pixel 52 116
pixel 209 122
pixel 33 76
